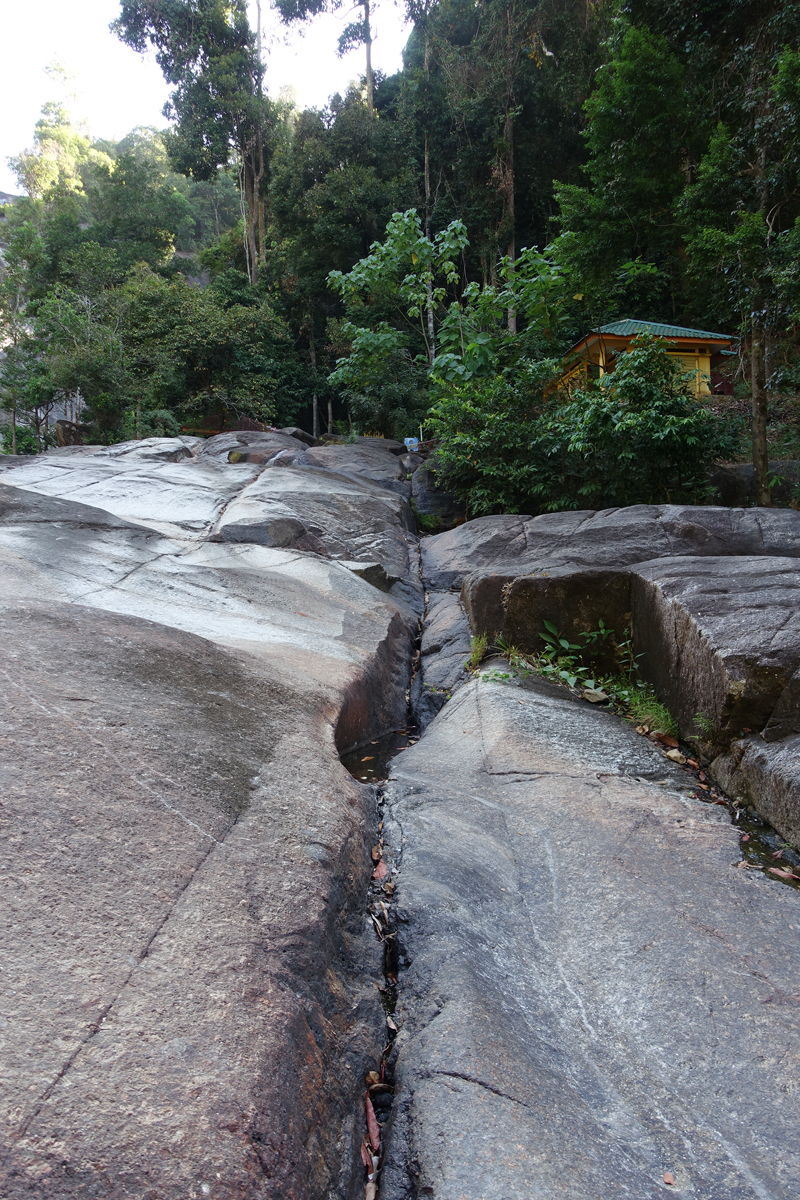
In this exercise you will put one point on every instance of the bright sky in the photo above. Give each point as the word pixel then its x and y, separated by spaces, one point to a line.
pixel 118 89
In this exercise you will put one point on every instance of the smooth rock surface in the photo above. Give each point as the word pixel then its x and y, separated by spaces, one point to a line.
pixel 368 461
pixel 590 992
pixel 617 536
pixel 444 650
pixel 352 519
pixel 183 499
pixel 182 891
pixel 189 977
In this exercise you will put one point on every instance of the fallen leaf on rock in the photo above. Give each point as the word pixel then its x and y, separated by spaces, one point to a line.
pixel 705 787
pixel 389 888
pixel 782 874
pixel 372 1125
pixel 692 762
pixel 703 776
pixel 368 758
pixel 391 1024
pixel 667 740
pixel 745 837
pixel 376 853
pixel 777 854
pixel 380 871
pixel 669 1178
pixel 642 729
pixel 743 863
pixel 675 756
pixel 371 1190
pixel 366 1157
pixel 594 695
pixel 373 1077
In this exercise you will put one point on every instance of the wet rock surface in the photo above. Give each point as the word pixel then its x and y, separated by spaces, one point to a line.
pixel 590 992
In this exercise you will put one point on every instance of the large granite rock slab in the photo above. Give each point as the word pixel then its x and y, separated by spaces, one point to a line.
pixel 708 594
pixel 188 857
pixel 590 993
pixel 352 519
pixel 182 889
pixel 180 498
pixel 720 639
pixel 368 461
pixel 222 445
pixel 616 536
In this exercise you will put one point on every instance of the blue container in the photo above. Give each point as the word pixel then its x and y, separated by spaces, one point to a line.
pixel 412 444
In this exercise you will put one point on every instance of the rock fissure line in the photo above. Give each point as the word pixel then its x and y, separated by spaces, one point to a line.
pixel 95 1027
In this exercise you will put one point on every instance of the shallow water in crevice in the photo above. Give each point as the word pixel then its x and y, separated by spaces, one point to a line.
pixel 370 763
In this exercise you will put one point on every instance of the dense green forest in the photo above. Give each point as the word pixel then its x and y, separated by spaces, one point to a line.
pixel 424 250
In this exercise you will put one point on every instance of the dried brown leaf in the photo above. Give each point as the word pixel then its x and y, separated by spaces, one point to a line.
pixel 377 853
pixel 667 740
pixel 380 871
pixel 391 1024
pixel 373 1077
pixel 366 1157
pixel 782 874
pixel 669 1178
pixel 371 1190
pixel 372 1125
pixel 675 756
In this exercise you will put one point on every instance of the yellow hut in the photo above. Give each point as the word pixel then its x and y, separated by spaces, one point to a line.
pixel 699 352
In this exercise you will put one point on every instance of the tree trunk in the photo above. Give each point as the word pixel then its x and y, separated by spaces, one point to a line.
pixel 511 248
pixel 759 413
pixel 312 353
pixel 429 286
pixel 330 414
pixel 14 428
pixel 251 198
pixel 368 44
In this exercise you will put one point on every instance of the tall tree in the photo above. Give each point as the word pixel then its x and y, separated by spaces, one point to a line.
pixel 356 33
pixel 208 51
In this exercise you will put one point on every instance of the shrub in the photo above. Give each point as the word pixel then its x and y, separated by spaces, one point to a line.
pixel 637 437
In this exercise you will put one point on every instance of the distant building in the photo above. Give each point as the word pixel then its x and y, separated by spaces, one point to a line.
pixel 699 353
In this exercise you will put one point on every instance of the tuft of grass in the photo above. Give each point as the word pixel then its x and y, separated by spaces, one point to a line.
pixel 477 652
pixel 644 708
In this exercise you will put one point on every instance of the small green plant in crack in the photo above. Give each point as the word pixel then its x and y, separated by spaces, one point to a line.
pixel 477 651
pixel 565 662
pixel 704 726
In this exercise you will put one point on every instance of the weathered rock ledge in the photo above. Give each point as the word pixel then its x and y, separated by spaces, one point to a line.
pixel 710 597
